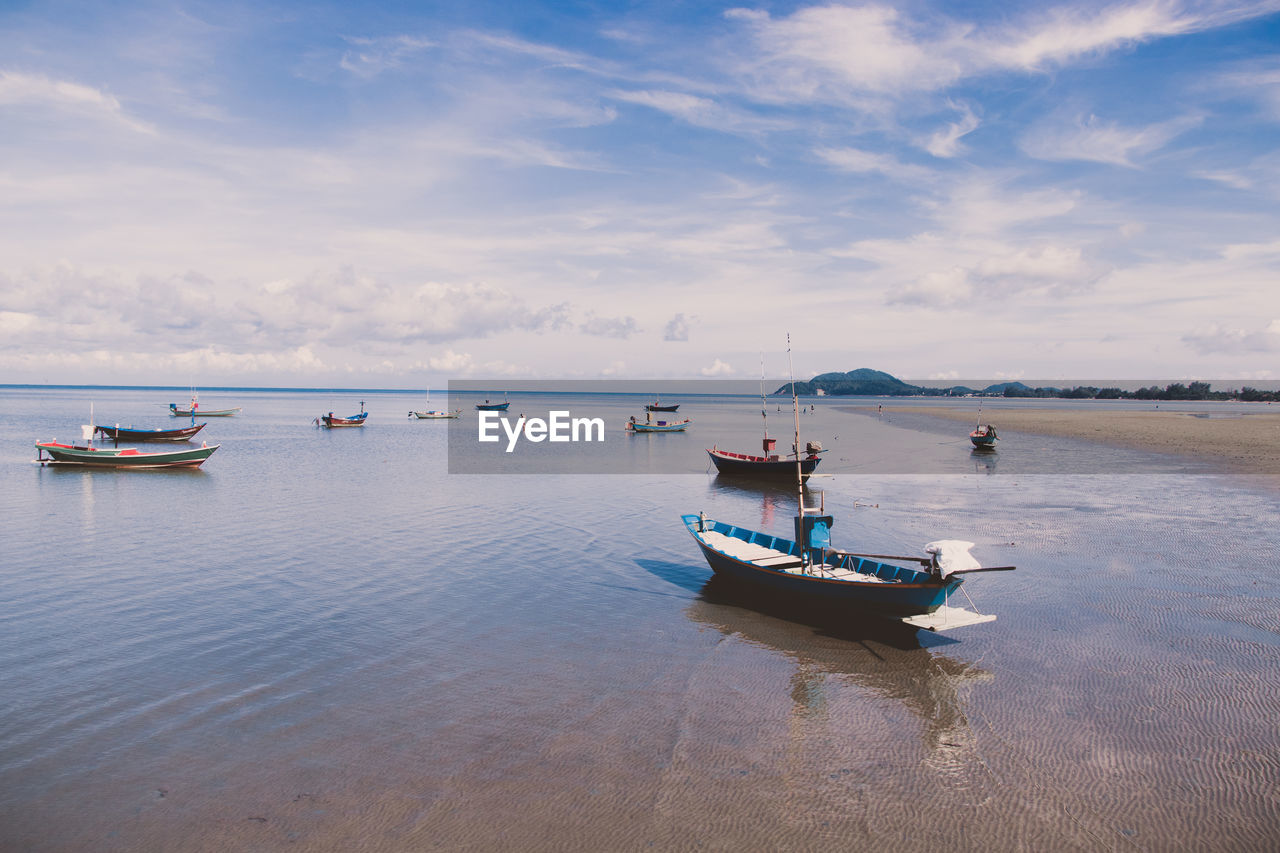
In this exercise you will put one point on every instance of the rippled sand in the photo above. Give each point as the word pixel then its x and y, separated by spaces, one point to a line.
pixel 1249 443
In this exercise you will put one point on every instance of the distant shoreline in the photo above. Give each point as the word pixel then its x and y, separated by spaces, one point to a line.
pixel 1243 444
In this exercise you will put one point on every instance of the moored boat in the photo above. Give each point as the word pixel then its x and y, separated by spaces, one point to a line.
pixel 129 457
pixel 656 406
pixel 770 466
pixel 486 406
pixel 807 569
pixel 432 414
pixel 119 433
pixel 658 426
pixel 984 437
pixel 333 421
pixel 193 409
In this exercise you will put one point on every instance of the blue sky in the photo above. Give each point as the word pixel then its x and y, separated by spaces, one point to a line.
pixel 398 194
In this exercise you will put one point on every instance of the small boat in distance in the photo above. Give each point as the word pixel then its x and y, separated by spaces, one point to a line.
pixel 770 466
pixel 118 433
pixel 432 414
pixel 129 457
pixel 486 406
pixel 656 406
pixel 809 571
pixel 333 421
pixel 984 437
pixel 657 426
pixel 193 409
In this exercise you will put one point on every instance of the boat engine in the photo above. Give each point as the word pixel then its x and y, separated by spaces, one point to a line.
pixel 813 448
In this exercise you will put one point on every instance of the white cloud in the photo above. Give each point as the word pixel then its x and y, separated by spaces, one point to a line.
pixel 946 142
pixel 65 96
pixel 609 327
pixel 677 329
pixel 838 53
pixel 369 57
pixel 859 161
pixel 1092 138
pixel 717 368
pixel 1221 339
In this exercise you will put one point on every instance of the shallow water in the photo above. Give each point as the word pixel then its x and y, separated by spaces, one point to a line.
pixel 323 640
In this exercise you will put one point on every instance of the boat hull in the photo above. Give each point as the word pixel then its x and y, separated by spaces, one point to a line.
pixel 202 413
pixel 434 416
pixel 890 599
pixel 983 442
pixel 65 454
pixel 492 407
pixel 333 422
pixel 125 434
pixel 758 467
pixel 659 427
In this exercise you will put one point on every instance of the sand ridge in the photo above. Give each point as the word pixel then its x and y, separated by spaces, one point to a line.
pixel 1246 443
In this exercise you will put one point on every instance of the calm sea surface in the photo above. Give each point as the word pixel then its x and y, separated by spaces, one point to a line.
pixel 323 640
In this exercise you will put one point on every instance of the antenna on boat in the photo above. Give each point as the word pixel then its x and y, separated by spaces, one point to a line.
pixel 795 409
pixel 764 416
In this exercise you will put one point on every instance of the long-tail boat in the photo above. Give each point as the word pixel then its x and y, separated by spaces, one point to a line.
pixel 333 421
pixel 486 406
pixel 658 426
pixel 127 434
pixel 193 409
pixel 656 406
pixel 770 466
pixel 984 437
pixel 129 457
pixel 806 568
pixel 432 414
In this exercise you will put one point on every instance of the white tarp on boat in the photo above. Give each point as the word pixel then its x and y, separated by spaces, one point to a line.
pixel 952 555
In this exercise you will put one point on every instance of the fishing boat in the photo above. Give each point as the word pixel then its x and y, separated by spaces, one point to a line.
pixel 486 406
pixel 432 414
pixel 333 421
pixel 770 466
pixel 129 457
pixel 656 406
pixel 657 426
pixel 118 433
pixel 984 437
pixel 193 409
pixel 807 569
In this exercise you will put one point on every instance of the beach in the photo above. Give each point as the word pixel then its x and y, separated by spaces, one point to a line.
pixel 1245 444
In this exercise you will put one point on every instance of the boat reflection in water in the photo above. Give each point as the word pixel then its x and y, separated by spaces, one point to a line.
pixel 889 660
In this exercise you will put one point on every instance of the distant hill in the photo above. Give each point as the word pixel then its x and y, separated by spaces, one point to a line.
pixel 876 383
pixel 864 382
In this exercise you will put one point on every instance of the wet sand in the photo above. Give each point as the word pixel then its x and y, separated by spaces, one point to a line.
pixel 1248 443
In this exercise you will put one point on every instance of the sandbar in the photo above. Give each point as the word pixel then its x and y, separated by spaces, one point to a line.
pixel 1247 443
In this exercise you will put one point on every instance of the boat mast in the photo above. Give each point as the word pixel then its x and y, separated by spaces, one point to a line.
pixel 795 408
pixel 764 417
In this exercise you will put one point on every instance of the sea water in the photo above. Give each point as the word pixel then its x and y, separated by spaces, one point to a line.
pixel 323 639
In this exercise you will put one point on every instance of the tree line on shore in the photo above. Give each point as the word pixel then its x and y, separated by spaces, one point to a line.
pixel 876 383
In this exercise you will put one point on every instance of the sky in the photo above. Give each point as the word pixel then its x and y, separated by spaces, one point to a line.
pixel 394 195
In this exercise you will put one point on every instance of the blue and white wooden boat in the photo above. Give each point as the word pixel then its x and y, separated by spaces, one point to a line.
pixel 486 406
pixel 658 426
pixel 807 569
